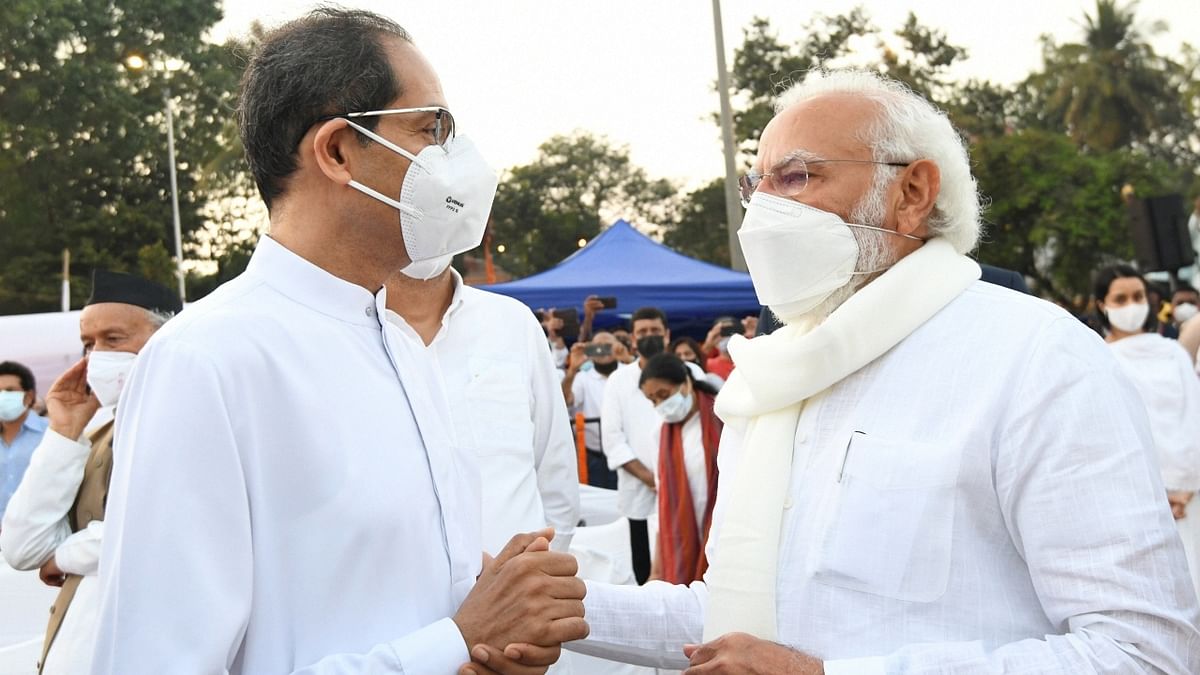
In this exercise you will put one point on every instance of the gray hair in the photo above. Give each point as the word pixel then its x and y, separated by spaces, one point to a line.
pixel 158 317
pixel 908 128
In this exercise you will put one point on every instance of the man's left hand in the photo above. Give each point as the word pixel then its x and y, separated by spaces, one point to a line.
pixel 742 654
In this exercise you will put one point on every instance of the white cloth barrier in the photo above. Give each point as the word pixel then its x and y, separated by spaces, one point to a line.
pixel 24 610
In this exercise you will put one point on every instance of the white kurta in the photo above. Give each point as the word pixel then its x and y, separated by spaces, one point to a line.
pixel 36 528
pixel 286 496
pixel 981 499
pixel 1163 374
pixel 588 390
pixel 695 466
pixel 630 429
pixel 507 407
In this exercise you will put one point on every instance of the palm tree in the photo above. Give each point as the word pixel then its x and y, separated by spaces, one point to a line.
pixel 1111 90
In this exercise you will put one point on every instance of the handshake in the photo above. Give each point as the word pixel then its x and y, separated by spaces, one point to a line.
pixel 526 602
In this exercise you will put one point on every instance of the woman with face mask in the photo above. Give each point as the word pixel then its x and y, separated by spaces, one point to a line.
pixel 687 467
pixel 1162 373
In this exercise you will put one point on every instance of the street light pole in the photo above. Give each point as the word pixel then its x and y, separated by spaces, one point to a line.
pixel 733 211
pixel 174 195
pixel 135 62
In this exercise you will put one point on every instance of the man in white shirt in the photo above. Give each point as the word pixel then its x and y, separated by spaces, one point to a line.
pixel 287 496
pixel 630 435
pixel 920 473
pixel 502 391
pixel 55 522
pixel 583 388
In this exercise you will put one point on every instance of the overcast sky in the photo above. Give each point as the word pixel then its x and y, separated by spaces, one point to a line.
pixel 641 71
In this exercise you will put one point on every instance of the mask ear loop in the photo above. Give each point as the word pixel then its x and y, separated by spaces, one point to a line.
pixel 372 192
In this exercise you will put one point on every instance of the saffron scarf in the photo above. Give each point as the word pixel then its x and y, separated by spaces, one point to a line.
pixel 775 375
pixel 681 540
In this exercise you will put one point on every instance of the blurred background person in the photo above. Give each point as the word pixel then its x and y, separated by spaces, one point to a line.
pixel 1156 298
pixel 1166 380
pixel 1185 304
pixel 55 521
pixel 630 435
pixel 687 466
pixel 689 350
pixel 21 429
pixel 583 389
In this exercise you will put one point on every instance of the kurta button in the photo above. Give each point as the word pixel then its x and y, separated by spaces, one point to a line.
pixel 787 503
pixel 370 311
pixel 100 463
pixel 52 609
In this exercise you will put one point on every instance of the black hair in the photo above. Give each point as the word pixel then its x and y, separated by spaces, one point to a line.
pixel 651 313
pixel 1184 288
pixel 1103 281
pixel 328 62
pixel 671 368
pixel 691 342
pixel 22 372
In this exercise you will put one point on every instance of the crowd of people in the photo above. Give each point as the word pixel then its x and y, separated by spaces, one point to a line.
pixel 346 460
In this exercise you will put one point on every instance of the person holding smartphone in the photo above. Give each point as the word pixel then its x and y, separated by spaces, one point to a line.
pixel 583 388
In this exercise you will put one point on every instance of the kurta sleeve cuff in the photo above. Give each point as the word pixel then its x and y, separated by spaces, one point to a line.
pixel 436 648
pixel 867 665
pixel 65 450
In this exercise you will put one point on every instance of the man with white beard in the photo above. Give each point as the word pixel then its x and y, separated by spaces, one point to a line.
pixel 920 473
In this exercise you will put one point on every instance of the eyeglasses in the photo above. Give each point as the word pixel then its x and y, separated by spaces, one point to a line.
pixel 441 132
pixel 790 178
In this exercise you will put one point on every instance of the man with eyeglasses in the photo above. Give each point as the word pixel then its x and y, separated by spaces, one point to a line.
pixel 286 495
pixel 920 472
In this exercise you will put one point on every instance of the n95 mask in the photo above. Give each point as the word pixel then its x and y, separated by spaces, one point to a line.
pixel 444 201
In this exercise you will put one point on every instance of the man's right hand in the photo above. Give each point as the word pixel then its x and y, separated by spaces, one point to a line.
pixel 51 574
pixel 577 357
pixel 69 404
pixel 592 305
pixel 527 594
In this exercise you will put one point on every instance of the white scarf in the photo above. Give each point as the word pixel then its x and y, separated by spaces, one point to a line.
pixel 775 375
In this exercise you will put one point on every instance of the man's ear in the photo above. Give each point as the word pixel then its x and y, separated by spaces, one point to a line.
pixel 331 151
pixel 917 192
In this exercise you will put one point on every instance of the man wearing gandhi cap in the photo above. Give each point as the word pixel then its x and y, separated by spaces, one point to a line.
pixel 55 521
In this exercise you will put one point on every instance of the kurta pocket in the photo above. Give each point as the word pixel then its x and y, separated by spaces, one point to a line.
pixel 892 524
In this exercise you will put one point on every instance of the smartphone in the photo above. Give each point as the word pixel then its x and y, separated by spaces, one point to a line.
pixel 609 302
pixel 600 350
pixel 570 319
pixel 733 328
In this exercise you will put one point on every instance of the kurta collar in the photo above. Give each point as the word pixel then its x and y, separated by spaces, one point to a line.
pixel 312 286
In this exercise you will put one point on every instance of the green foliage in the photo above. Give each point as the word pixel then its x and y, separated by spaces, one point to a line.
pixel 1112 90
pixel 1056 214
pixel 83 152
pixel 577 185
pixel 700 230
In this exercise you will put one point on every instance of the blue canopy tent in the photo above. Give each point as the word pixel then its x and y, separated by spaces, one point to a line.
pixel 639 272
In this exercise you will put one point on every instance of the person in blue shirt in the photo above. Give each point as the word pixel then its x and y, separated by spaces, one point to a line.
pixel 21 429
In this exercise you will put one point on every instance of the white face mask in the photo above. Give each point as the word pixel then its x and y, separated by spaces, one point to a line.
pixel 1129 318
pixel 445 199
pixel 428 269
pixel 12 405
pixel 676 408
pixel 798 255
pixel 106 374
pixel 1184 311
